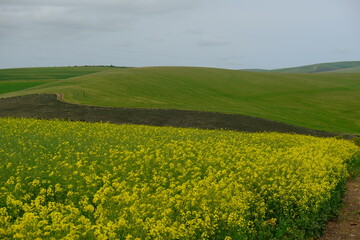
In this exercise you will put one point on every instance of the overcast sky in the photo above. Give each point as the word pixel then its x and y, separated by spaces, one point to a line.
pixel 233 34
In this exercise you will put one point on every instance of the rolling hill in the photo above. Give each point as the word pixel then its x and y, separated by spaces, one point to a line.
pixel 325 101
pixel 335 67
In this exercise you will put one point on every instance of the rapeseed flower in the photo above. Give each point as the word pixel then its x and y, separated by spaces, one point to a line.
pixel 76 180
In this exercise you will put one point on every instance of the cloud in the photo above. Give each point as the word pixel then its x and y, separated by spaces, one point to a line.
pixel 175 32
pixel 212 43
pixel 194 31
pixel 340 51
pixel 233 61
pixel 64 17
pixel 139 6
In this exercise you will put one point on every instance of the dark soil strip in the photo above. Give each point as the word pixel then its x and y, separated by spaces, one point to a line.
pixel 347 226
pixel 50 106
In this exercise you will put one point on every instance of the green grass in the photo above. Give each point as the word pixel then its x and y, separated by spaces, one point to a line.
pixel 46 73
pixel 6 87
pixel 319 101
pixel 12 80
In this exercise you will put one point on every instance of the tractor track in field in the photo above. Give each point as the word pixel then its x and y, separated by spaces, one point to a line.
pixel 52 106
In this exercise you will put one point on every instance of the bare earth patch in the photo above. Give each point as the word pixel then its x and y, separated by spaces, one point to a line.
pixel 347 225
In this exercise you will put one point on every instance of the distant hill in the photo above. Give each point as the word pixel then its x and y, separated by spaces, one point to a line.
pixel 347 70
pixel 334 67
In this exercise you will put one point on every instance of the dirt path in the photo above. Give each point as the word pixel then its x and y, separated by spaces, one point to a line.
pixel 347 226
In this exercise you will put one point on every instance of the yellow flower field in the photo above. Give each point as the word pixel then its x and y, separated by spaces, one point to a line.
pixel 75 180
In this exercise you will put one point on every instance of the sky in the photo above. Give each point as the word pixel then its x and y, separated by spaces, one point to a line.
pixel 232 34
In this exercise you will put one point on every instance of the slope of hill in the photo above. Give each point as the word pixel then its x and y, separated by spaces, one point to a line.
pixel 319 101
pixel 347 70
pixel 17 79
pixel 341 67
pixel 46 73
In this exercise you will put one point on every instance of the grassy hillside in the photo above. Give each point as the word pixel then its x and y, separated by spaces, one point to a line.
pixel 46 73
pixel 347 70
pixel 12 80
pixel 13 86
pixel 320 101
pixel 340 67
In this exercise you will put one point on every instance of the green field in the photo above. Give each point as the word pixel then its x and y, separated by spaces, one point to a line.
pixel 46 73
pixel 12 80
pixel 327 101
pixel 78 180
pixel 14 86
